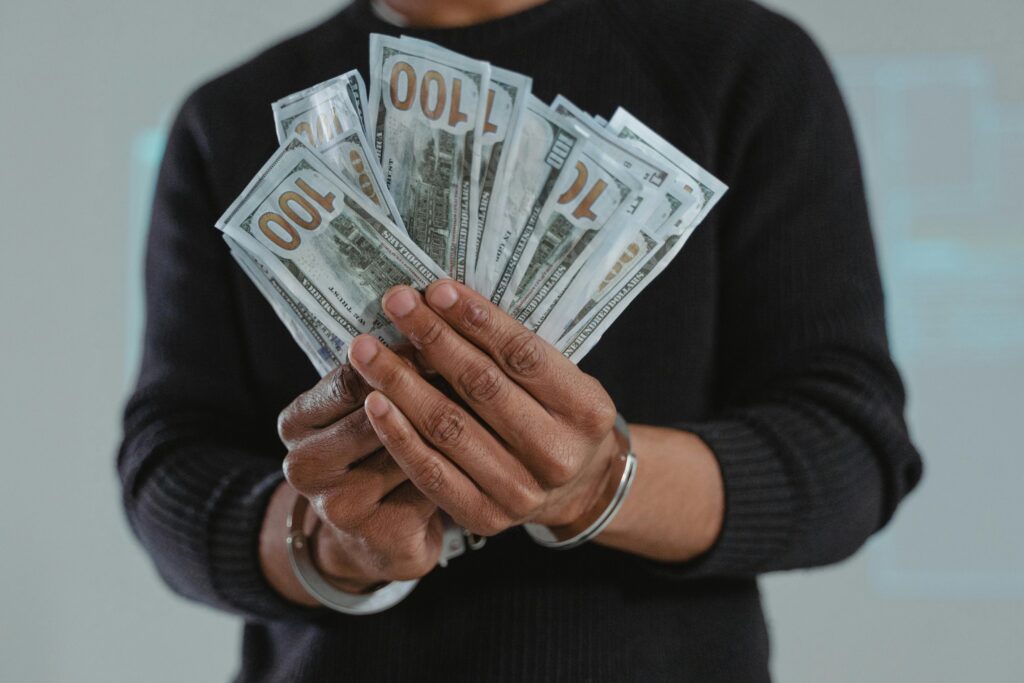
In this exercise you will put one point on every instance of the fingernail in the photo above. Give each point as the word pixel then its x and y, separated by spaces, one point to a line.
pixel 377 405
pixel 400 303
pixel 363 349
pixel 443 295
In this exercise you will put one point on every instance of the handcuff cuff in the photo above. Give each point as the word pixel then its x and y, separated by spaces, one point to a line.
pixel 456 540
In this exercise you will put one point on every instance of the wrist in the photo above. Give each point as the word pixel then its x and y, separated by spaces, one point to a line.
pixel 273 552
pixel 605 500
pixel 588 491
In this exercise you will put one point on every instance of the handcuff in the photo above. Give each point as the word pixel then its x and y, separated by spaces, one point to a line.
pixel 456 540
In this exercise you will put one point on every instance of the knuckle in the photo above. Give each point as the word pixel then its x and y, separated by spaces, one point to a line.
pixel 396 438
pixel 522 353
pixel 429 334
pixel 293 470
pixel 430 476
pixel 334 510
pixel 475 316
pixel 445 424
pixel 303 471
pixel 394 376
pixel 342 511
pixel 598 417
pixel 523 501
pixel 489 524
pixel 561 469
pixel 287 429
pixel 481 383
pixel 344 386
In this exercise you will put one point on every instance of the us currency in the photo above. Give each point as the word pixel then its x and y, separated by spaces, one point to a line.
pixel 651 206
pixel 324 350
pixel 591 195
pixel 425 113
pixel 325 117
pixel 304 112
pixel 507 96
pixel 544 144
pixel 325 243
pixel 584 313
pixel 587 308
pixel 710 189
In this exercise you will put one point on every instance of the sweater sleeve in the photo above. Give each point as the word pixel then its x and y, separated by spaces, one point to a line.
pixel 196 474
pixel 809 431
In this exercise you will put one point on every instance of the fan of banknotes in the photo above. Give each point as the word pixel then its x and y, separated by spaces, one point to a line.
pixel 450 167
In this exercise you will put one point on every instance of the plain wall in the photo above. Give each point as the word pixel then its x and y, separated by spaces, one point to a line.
pixel 938 101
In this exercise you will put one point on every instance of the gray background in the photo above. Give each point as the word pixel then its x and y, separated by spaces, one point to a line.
pixel 938 101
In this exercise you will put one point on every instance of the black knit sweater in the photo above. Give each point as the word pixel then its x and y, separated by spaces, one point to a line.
pixel 766 337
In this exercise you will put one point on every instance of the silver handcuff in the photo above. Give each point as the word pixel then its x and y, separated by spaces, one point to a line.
pixel 455 542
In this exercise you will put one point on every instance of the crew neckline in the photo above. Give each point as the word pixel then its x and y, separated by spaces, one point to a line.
pixel 362 13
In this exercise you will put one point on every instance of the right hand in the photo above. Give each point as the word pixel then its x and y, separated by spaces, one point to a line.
pixel 377 526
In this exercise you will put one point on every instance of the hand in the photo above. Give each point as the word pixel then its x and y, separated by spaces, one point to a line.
pixel 543 449
pixel 377 526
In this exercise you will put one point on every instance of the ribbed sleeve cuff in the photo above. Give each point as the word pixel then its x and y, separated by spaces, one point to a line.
pixel 200 513
pixel 233 538
pixel 760 503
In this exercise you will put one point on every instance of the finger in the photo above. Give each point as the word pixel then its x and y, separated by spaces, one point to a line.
pixel 358 494
pixel 411 533
pixel 443 424
pixel 432 473
pixel 534 364
pixel 505 406
pixel 320 460
pixel 336 395
pixel 402 541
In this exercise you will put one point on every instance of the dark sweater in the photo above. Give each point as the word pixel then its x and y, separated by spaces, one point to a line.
pixel 766 337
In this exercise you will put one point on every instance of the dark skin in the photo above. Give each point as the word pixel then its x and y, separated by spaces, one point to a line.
pixel 379 450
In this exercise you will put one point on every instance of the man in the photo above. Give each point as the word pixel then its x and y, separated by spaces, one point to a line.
pixel 765 412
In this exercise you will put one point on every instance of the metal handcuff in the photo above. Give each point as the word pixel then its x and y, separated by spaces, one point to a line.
pixel 456 541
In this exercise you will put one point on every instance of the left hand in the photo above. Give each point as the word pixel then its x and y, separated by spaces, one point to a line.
pixel 543 451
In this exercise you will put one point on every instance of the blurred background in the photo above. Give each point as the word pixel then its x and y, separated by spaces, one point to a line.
pixel 936 91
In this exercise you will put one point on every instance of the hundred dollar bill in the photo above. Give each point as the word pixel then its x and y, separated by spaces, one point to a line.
pixel 425 115
pixel 627 127
pixel 587 310
pixel 350 156
pixel 648 207
pixel 303 113
pixel 590 196
pixel 581 315
pixel 507 96
pixel 324 350
pixel 327 244
pixel 651 206
pixel 544 143
pixel 325 118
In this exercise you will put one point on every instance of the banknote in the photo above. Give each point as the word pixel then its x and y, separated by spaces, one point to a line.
pixel 661 192
pixel 338 103
pixel 586 310
pixel 324 242
pixel 324 350
pixel 627 127
pixel 505 112
pixel 653 206
pixel 451 167
pixel 350 156
pixel 545 142
pixel 425 116
pixel 590 196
